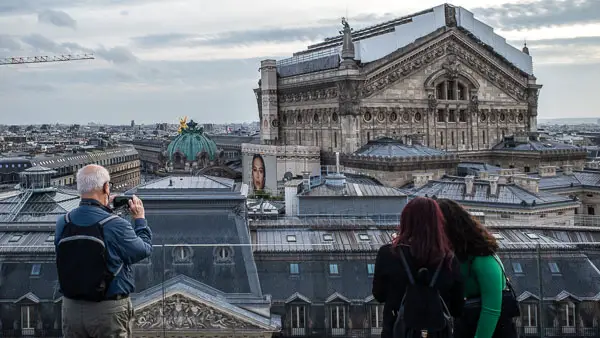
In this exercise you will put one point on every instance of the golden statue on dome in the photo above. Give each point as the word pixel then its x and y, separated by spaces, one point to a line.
pixel 182 124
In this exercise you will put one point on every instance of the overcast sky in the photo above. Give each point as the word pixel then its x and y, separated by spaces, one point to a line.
pixel 159 60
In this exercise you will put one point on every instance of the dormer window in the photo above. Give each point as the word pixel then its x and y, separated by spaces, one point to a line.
pixel 182 254
pixel 328 238
pixel 291 238
pixel 15 238
pixel 364 237
pixel 498 236
pixel 517 268
pixel 554 268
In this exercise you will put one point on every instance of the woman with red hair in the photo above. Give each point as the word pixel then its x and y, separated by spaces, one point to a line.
pixel 424 245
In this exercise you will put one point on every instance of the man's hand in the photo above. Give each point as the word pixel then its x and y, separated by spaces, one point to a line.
pixel 136 207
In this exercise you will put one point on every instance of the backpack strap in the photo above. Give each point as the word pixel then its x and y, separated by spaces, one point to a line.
pixel 107 219
pixel 437 272
pixel 405 264
pixel 67 218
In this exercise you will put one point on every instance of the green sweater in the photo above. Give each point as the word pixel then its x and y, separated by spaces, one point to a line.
pixel 486 280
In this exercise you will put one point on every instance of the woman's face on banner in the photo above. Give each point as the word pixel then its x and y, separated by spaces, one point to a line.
pixel 258 174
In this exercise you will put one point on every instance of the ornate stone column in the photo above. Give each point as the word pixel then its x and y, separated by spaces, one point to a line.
pixel 349 103
pixel 474 113
pixel 533 92
pixel 269 124
pixel 431 117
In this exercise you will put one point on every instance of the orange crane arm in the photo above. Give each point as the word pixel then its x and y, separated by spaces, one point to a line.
pixel 40 59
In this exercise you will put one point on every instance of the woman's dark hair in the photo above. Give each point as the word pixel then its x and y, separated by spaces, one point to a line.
pixel 467 236
pixel 264 178
pixel 422 228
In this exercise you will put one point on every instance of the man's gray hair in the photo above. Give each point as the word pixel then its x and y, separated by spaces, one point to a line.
pixel 90 178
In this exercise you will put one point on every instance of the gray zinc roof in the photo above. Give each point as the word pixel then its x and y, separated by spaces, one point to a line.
pixel 532 145
pixel 43 207
pixel 387 147
pixel 189 182
pixel 351 189
pixel 509 195
pixel 577 179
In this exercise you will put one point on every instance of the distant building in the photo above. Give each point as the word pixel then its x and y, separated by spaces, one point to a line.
pixel 503 197
pixel 122 163
pixel 132 124
pixel 440 72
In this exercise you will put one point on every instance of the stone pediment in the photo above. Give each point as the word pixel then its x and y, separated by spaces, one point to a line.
pixel 179 312
pixel 485 64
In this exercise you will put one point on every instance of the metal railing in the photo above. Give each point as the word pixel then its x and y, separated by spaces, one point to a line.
pixel 181 263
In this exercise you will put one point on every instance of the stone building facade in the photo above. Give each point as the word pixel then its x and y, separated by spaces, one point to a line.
pixel 448 84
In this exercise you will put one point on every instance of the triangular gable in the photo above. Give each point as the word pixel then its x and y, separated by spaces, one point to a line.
pixel 336 296
pixel 298 296
pixel 30 297
pixel 158 307
pixel 565 295
pixel 527 295
pixel 404 63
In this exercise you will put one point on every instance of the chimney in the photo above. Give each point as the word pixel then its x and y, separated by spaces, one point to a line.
pixel 420 179
pixel 505 172
pixel 530 184
pixel 494 186
pixel 469 186
pixel 484 175
pixel 567 169
pixel 501 179
pixel 547 171
pixel 306 180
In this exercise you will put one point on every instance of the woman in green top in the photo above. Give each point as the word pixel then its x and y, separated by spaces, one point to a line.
pixel 482 271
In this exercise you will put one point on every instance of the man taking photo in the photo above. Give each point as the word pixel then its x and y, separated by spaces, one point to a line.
pixel 95 250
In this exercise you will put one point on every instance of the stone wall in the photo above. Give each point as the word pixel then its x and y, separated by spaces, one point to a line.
pixel 395 172
pixel 527 161
pixel 405 97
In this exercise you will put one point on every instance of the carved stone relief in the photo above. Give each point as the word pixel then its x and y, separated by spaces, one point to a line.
pixel 311 95
pixel 181 313
pixel 452 67
pixel 457 51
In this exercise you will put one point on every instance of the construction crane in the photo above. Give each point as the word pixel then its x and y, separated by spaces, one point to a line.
pixel 41 59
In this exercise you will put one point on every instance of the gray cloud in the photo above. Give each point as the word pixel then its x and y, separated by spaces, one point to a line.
pixel 42 44
pixel 37 87
pixel 323 28
pixel 9 44
pixel 535 14
pixel 580 41
pixel 233 38
pixel 56 18
pixel 9 7
pixel 116 55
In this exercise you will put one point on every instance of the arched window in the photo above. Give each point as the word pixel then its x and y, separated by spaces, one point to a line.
pixel 451 90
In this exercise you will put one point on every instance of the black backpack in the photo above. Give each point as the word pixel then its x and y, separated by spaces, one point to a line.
pixel 81 256
pixel 423 313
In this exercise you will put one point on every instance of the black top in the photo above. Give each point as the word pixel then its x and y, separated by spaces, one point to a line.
pixel 390 281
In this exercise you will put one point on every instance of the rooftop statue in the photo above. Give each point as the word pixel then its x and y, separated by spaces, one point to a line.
pixel 346 26
pixel 182 124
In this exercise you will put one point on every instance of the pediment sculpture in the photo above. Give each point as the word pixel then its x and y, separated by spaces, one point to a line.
pixel 181 313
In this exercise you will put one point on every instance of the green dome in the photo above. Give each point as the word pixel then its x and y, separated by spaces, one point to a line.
pixel 191 143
